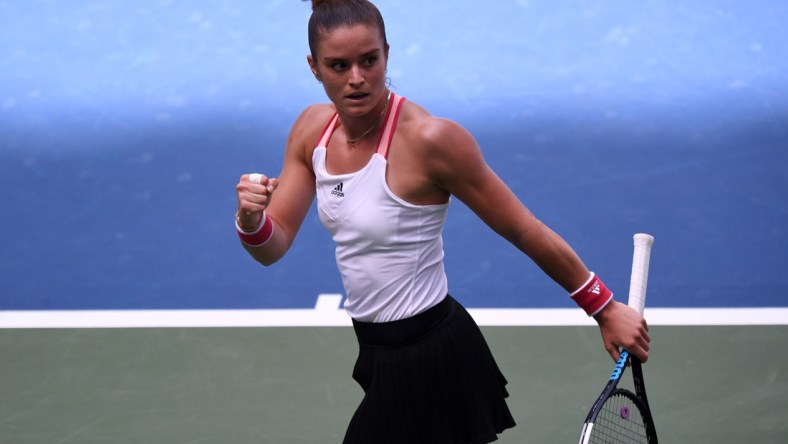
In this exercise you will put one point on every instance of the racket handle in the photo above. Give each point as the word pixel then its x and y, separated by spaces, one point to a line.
pixel 639 279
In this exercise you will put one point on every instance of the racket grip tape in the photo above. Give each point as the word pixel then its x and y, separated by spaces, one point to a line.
pixel 639 278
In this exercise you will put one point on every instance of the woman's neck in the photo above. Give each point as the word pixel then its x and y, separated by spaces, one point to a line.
pixel 359 129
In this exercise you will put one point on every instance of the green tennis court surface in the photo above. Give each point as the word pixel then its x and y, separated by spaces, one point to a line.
pixel 292 385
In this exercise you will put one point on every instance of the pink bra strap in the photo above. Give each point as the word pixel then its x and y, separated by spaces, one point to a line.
pixel 391 124
pixel 328 131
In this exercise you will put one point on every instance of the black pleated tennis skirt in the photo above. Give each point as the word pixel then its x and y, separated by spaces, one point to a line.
pixel 428 379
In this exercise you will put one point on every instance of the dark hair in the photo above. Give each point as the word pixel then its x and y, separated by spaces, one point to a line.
pixel 331 14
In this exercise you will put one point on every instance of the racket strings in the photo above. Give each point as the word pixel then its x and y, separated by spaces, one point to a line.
pixel 619 421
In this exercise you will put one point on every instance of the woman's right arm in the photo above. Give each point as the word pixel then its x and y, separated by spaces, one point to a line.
pixel 285 200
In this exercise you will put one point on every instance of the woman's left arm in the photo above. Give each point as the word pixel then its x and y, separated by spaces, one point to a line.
pixel 457 165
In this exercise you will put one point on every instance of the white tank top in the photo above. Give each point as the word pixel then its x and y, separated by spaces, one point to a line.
pixel 389 252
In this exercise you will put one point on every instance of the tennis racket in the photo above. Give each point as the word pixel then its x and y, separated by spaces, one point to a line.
pixel 618 415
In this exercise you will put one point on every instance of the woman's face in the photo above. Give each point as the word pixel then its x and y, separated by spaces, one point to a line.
pixel 351 63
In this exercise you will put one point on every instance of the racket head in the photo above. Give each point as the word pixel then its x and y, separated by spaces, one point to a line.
pixel 621 418
pixel 618 415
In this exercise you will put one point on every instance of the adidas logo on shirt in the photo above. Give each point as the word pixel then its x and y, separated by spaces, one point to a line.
pixel 337 191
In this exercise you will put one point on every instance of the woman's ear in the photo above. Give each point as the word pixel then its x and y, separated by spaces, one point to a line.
pixel 313 67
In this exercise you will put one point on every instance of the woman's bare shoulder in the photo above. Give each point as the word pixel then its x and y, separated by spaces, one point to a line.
pixel 307 129
pixel 432 132
pixel 312 121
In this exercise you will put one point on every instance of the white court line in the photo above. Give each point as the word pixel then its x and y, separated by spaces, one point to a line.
pixel 327 313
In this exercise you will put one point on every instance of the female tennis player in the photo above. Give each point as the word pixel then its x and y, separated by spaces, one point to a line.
pixel 383 170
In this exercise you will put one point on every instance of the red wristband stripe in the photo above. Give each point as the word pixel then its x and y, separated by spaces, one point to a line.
pixel 593 296
pixel 260 235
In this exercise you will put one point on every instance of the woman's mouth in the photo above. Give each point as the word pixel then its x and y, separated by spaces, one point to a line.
pixel 357 96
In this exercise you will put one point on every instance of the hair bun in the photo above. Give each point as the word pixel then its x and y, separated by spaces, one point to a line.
pixel 316 3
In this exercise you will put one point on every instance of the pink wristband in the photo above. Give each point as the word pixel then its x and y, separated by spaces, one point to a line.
pixel 593 296
pixel 260 235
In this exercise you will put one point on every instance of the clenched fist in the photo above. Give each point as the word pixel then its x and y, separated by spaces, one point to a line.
pixel 254 195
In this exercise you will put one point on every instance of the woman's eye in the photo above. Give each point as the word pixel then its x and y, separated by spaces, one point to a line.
pixel 370 61
pixel 339 66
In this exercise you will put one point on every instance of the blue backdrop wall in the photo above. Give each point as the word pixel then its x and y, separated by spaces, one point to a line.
pixel 125 125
